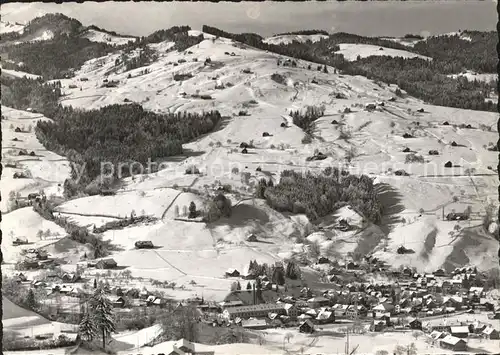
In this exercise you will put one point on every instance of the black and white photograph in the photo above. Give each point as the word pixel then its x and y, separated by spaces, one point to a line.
pixel 252 178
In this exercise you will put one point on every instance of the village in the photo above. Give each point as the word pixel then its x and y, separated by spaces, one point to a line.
pixel 270 297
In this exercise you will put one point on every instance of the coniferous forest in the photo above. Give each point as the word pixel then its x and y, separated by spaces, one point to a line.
pixel 120 134
pixel 318 195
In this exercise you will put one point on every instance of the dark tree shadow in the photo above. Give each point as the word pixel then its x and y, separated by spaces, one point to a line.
pixel 243 215
pixel 224 121
pixel 390 198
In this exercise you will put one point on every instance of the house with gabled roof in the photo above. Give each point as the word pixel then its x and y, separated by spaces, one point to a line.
pixel 291 310
pixel 490 333
pixel 306 326
pixel 231 272
pixel 383 308
pixel 318 301
pixel 108 263
pixel 377 325
pixel 415 323
pixel 253 323
pixel 325 317
pixel 479 291
pixel 436 335
pixel 460 331
pixel 453 343
pixel 117 301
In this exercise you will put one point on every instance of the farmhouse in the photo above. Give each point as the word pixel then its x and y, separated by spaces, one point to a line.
pixel 383 308
pixel 184 347
pixel 377 326
pixel 325 317
pixel 456 217
pixel 232 273
pixel 254 323
pixel 370 107
pixel 106 264
pixel 436 335
pixel 460 332
pixel 453 343
pixel 415 324
pixel 291 310
pixel 491 333
pixel 144 244
pixel 316 302
pixel 118 302
pixel 70 277
pixel 306 327
pixel 252 238
pixel 19 241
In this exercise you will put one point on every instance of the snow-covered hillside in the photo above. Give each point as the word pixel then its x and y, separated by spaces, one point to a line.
pixel 98 36
pixel 43 169
pixel 287 39
pixel 239 78
pixel 351 51
pixel 7 27
pixel 18 74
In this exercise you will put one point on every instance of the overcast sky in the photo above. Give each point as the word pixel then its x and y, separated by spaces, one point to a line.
pixel 373 18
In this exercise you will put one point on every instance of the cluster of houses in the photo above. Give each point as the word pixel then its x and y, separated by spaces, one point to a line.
pixel 35 258
pixel 454 336
pixel 404 303
pixel 53 283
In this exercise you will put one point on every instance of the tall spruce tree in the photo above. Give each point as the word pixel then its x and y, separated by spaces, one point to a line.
pixel 30 299
pixel 87 328
pixel 102 311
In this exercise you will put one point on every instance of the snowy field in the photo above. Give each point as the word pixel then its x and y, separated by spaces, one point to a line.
pixel 287 39
pixel 351 51
pixel 471 76
pixel 19 74
pixel 45 169
pixel 98 36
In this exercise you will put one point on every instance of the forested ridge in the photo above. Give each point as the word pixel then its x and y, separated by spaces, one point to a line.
pixel 421 78
pixel 56 58
pixel 68 50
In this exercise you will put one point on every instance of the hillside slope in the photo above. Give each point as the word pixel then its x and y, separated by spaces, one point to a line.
pixel 352 134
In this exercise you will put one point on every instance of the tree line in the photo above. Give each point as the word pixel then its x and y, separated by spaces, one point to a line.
pixel 56 58
pixel 68 50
